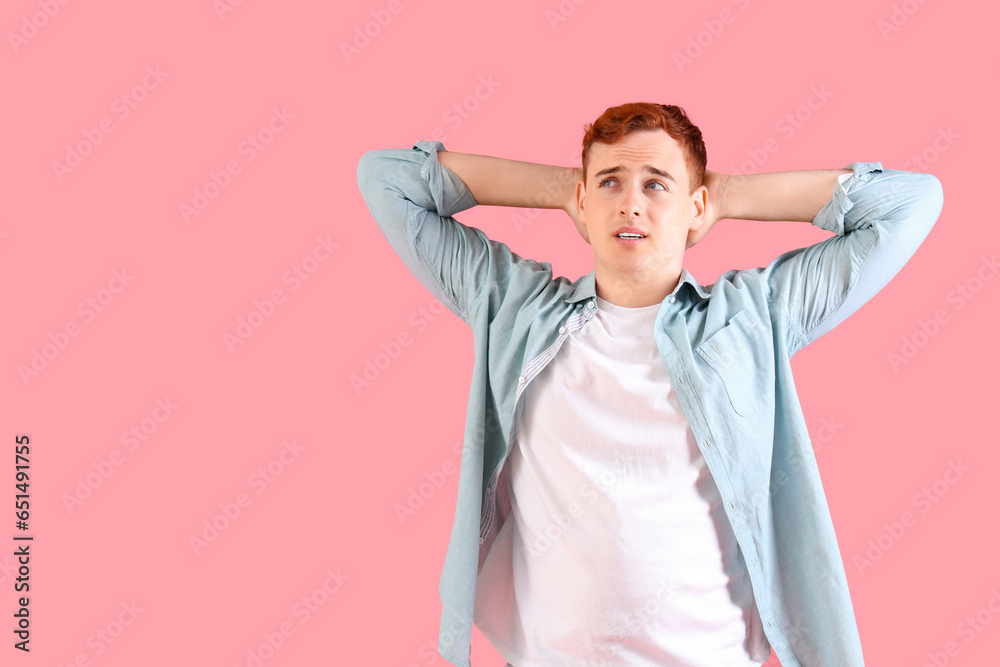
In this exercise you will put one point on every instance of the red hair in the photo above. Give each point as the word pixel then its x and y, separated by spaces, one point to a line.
pixel 614 124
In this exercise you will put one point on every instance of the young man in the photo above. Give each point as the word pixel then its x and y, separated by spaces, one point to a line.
pixel 636 459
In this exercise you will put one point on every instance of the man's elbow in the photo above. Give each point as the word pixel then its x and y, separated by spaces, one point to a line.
pixel 929 199
pixel 370 171
pixel 919 204
pixel 934 194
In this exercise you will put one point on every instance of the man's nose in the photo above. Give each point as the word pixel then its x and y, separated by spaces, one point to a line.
pixel 631 206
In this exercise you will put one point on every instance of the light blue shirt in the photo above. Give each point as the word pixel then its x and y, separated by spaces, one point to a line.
pixel 726 348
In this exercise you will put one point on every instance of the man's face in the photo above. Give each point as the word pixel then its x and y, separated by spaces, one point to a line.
pixel 641 182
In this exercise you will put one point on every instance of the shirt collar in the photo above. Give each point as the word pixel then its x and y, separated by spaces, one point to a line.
pixel 585 286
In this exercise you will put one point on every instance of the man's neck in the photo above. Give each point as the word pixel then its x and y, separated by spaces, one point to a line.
pixel 627 291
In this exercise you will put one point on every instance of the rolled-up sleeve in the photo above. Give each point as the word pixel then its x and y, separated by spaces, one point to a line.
pixel 413 198
pixel 879 218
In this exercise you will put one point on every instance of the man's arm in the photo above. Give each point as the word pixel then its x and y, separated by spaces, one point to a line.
pixel 413 197
pixel 496 181
pixel 879 216
pixel 792 196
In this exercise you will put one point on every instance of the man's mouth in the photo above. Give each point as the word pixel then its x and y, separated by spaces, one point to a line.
pixel 629 239
pixel 624 232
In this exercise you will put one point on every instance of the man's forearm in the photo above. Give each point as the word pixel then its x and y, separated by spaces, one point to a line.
pixel 495 181
pixel 795 196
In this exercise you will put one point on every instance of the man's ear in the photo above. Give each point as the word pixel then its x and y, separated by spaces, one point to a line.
pixel 580 220
pixel 699 204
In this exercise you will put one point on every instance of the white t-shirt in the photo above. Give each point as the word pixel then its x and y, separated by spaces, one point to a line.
pixel 617 549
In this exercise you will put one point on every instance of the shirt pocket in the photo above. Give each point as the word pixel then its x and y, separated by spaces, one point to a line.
pixel 740 354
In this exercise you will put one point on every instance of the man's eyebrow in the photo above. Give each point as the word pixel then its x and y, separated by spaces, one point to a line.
pixel 646 167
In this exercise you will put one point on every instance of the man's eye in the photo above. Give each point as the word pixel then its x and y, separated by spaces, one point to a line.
pixel 601 184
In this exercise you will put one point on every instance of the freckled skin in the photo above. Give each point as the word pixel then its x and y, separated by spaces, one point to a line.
pixel 646 273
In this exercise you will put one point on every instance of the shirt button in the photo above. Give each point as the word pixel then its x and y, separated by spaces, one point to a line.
pixel 590 304
pixel 562 329
pixel 521 379
pixel 671 299
pixel 482 539
pixel 732 504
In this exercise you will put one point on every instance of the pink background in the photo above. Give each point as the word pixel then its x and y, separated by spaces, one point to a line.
pixel 922 89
